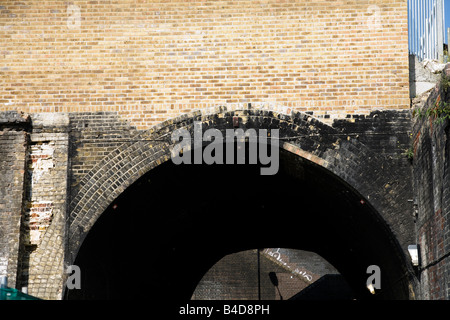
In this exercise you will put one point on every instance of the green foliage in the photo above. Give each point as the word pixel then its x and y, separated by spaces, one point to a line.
pixel 409 154
pixel 445 82
pixel 438 113
pixel 441 110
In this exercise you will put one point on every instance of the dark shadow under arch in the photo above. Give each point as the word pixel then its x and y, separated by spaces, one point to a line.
pixel 162 234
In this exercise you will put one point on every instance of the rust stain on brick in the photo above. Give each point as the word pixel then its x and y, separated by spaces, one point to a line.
pixel 438 99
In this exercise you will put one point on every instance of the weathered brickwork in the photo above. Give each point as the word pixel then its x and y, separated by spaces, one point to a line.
pixel 147 149
pixel 33 192
pixel 98 160
pixel 104 84
pixel 430 144
pixel 335 150
pixel 47 200
pixel 154 60
pixel 13 144
pixel 94 135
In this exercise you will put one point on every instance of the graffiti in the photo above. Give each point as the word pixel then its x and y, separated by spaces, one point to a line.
pixel 303 274
pixel 277 256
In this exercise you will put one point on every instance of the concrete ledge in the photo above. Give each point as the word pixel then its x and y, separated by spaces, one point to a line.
pixel 421 79
pixel 14 119
pixel 50 121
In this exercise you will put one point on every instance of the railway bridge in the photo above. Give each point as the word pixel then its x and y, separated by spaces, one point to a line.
pixel 93 92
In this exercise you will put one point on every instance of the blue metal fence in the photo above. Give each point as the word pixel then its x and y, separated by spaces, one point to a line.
pixel 426 25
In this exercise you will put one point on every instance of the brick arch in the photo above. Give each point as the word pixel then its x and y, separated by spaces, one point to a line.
pixel 309 138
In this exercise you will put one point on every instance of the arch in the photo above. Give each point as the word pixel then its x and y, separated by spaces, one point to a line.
pixel 181 219
pixel 344 157
pixel 298 270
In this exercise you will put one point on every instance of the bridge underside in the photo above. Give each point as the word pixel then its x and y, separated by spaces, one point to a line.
pixel 87 120
pixel 168 229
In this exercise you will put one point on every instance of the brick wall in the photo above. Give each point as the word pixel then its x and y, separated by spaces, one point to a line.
pixel 152 60
pixel 94 135
pixel 235 277
pixel 45 203
pixel 13 145
pixel 431 143
pixel 33 191
pixel 99 155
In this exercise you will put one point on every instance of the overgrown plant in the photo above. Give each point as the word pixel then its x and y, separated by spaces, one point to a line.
pixel 445 81
pixel 438 113
pixel 409 154
pixel 441 110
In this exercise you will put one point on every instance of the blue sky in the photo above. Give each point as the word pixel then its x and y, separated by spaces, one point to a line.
pixel 447 18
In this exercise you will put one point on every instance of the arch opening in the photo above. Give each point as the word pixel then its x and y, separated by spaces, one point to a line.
pixel 162 235
pixel 273 274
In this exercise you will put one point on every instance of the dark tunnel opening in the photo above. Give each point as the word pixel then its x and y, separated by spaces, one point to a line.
pixel 160 237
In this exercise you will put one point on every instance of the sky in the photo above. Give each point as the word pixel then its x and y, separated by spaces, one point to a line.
pixel 447 18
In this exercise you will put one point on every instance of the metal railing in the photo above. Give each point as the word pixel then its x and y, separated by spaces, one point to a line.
pixel 426 25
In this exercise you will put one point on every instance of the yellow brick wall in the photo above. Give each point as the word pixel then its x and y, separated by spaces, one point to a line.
pixel 151 60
